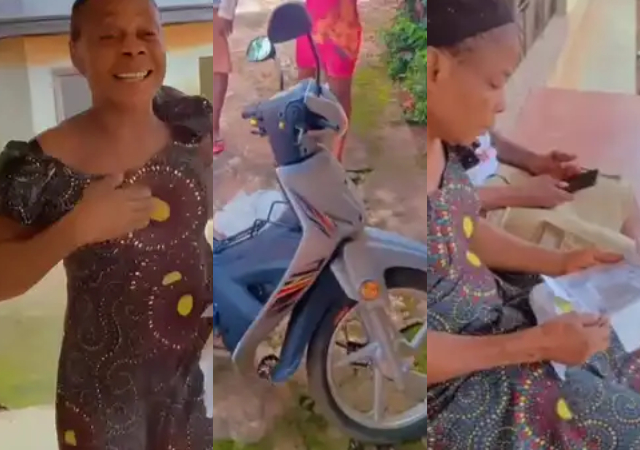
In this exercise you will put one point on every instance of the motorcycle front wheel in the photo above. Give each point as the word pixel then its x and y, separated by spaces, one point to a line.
pixel 371 408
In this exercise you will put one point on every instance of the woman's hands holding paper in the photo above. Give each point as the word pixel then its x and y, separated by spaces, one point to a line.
pixel 573 338
pixel 579 260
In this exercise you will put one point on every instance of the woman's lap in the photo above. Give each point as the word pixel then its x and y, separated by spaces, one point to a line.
pixel 529 407
pixel 506 408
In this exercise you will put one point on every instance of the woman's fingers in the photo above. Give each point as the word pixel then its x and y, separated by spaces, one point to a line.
pixel 608 257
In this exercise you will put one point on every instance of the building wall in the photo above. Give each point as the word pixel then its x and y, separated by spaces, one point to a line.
pixel 591 47
pixel 16 120
pixel 10 8
pixel 27 68
pixel 601 52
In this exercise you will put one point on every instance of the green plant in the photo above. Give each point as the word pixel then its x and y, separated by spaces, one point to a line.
pixel 415 85
pixel 403 40
pixel 406 42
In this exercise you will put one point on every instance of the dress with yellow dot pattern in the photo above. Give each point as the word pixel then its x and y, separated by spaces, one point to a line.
pixel 524 407
pixel 128 374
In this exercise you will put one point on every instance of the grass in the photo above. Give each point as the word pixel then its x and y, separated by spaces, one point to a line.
pixel 29 348
pixel 371 95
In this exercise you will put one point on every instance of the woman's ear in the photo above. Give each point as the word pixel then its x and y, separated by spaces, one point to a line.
pixel 432 65
pixel 76 60
pixel 439 65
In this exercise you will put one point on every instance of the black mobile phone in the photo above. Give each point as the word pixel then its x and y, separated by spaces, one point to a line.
pixel 583 180
pixel 467 157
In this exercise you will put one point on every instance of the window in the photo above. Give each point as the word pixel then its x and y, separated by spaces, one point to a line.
pixel 72 95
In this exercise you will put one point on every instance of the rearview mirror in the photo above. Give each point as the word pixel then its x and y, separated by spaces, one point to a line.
pixel 288 22
pixel 260 49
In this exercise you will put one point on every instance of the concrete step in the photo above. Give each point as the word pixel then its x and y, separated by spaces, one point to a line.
pixel 29 429
pixel 601 52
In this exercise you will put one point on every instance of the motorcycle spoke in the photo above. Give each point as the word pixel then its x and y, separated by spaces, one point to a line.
pixel 359 356
pixel 370 389
pixel 379 403
pixel 415 386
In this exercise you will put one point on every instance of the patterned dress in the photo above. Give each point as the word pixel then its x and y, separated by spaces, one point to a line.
pixel 523 407
pixel 128 374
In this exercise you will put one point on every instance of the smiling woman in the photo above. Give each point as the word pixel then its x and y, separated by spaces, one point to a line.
pixel 38 67
pixel 121 194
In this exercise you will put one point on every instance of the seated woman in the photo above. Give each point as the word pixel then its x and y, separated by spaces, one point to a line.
pixel 523 192
pixel 499 391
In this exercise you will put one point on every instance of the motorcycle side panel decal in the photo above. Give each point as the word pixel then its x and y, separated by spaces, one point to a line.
pixel 295 286
pixel 322 221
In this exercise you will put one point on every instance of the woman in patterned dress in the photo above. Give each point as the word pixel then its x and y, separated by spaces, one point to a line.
pixel 122 196
pixel 491 384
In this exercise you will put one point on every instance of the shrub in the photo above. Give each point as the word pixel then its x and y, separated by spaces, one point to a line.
pixel 403 40
pixel 415 85
pixel 406 42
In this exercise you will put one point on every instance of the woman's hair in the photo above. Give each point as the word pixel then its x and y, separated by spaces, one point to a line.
pixel 450 23
pixel 76 17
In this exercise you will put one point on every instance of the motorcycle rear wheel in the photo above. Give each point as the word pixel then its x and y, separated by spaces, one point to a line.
pixel 319 365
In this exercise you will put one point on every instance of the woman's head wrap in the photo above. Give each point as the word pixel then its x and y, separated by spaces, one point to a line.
pixel 449 22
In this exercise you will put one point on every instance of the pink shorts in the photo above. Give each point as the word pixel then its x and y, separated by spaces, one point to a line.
pixel 337 32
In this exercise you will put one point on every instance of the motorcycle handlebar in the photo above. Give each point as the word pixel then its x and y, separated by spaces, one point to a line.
pixel 315 121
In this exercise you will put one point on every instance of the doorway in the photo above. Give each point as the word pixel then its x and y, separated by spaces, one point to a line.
pixel 206 77
pixel 72 95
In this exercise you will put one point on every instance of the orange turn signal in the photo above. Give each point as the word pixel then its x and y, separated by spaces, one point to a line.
pixel 369 290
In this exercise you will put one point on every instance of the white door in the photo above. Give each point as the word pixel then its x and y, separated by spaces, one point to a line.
pixel 71 93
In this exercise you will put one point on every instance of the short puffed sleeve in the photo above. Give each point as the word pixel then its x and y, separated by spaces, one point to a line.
pixel 35 189
pixel 190 117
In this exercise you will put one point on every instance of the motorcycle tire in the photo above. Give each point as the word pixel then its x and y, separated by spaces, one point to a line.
pixel 317 356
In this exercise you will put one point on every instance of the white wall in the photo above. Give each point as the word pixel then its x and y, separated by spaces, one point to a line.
pixel 10 8
pixel 183 72
pixel 15 103
pixel 183 68
pixel 600 54
pixel 15 107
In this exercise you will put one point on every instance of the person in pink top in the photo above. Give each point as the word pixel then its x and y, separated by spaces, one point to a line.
pixel 337 32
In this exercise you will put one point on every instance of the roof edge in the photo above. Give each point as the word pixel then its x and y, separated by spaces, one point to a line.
pixel 47 25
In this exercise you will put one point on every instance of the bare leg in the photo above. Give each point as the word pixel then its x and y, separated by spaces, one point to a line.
pixel 341 88
pixel 220 85
pixel 221 69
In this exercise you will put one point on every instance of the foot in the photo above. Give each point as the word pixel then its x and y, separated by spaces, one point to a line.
pixel 218 146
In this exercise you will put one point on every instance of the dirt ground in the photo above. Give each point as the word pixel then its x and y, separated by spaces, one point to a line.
pixel 379 139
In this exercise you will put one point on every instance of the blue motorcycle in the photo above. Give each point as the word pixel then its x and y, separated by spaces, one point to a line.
pixel 319 269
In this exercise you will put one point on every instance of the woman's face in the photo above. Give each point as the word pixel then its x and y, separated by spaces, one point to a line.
pixel 121 51
pixel 466 90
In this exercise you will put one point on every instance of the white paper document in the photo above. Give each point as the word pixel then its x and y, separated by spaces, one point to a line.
pixel 613 290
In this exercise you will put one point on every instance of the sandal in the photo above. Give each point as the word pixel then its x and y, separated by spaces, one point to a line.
pixel 218 146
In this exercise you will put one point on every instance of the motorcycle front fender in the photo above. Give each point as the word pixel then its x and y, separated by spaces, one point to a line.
pixel 324 297
pixel 363 259
pixel 371 255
